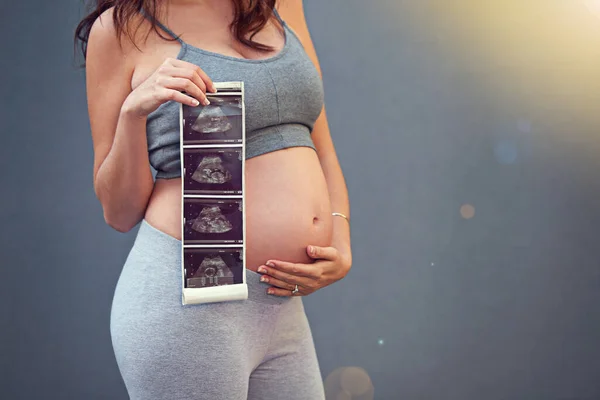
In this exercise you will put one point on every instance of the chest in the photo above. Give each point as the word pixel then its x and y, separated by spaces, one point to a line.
pixel 287 90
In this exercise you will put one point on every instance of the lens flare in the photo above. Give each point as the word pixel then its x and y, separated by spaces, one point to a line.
pixel 593 6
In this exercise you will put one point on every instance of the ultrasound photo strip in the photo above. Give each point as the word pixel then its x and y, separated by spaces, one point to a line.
pixel 213 230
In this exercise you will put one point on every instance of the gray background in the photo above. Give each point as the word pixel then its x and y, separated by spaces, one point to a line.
pixel 438 109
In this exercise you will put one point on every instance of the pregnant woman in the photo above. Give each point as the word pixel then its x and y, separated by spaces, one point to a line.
pixel 144 58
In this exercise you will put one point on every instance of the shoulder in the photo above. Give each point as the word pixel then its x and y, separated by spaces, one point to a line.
pixel 292 12
pixel 107 45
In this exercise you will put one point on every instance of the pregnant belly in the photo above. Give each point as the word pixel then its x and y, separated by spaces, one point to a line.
pixel 287 206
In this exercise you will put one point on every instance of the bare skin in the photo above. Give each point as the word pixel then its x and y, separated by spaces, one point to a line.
pixel 287 200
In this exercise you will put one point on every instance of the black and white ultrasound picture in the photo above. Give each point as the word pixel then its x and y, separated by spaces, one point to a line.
pixel 205 267
pixel 210 170
pixel 212 221
pixel 217 123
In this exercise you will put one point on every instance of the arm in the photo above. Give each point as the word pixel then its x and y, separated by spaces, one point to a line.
pixel 293 13
pixel 122 177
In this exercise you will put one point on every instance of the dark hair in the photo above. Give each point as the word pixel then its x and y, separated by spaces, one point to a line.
pixel 248 18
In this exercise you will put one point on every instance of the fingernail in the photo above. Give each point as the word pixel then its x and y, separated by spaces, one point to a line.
pixel 262 270
pixel 270 291
pixel 206 102
pixel 195 102
pixel 270 264
pixel 263 278
pixel 214 89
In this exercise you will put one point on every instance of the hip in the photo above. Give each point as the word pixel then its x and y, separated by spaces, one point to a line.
pixel 151 277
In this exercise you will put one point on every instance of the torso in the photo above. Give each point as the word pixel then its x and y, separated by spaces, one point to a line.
pixel 287 202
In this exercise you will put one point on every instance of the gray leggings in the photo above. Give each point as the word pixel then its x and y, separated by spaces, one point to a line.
pixel 260 348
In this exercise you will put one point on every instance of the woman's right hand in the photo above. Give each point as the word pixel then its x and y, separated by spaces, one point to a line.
pixel 166 83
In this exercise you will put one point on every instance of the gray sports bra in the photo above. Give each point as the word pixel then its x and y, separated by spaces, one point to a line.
pixel 283 98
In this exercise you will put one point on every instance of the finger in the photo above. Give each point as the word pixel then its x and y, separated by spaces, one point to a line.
pixel 318 252
pixel 176 95
pixel 290 269
pixel 277 282
pixel 188 65
pixel 186 85
pixel 283 276
pixel 192 75
pixel 281 292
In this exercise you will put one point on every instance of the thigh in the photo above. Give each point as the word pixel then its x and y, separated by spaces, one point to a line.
pixel 165 350
pixel 290 369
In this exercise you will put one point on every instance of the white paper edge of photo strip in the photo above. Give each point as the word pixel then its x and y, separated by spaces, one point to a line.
pixel 237 291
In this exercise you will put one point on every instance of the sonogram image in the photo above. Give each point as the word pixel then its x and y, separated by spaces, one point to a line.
pixel 212 220
pixel 212 266
pixel 213 170
pixel 218 122
pixel 211 119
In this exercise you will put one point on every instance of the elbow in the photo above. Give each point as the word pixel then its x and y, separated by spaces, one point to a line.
pixel 117 227
pixel 115 215
pixel 121 217
pixel 122 210
pixel 121 224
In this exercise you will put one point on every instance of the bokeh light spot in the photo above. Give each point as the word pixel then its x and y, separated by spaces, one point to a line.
pixel 349 383
pixel 355 380
pixel 467 211
pixel 343 395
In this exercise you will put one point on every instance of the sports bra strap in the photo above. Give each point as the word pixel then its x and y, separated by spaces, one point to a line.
pixel 278 16
pixel 161 25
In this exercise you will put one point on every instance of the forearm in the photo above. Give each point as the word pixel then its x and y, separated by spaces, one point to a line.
pixel 124 182
pixel 338 193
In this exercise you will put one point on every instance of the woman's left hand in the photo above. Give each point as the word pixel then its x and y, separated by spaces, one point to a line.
pixel 330 266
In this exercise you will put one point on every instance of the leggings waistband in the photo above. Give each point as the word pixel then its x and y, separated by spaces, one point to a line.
pixel 166 249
